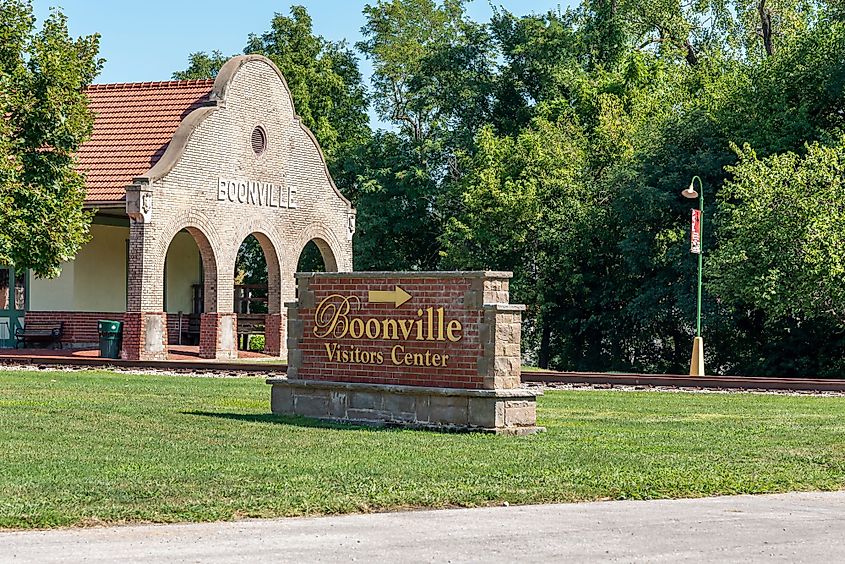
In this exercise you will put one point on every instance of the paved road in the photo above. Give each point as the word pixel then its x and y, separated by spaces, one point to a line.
pixel 801 527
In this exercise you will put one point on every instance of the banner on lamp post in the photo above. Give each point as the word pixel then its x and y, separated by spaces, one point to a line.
pixel 695 232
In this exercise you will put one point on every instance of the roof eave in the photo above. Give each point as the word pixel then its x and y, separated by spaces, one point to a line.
pixel 105 204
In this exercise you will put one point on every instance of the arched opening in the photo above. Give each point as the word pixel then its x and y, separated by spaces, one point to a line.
pixel 250 301
pixel 316 256
pixel 190 285
pixel 257 290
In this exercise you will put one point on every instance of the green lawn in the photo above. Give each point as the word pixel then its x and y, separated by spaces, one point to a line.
pixel 91 447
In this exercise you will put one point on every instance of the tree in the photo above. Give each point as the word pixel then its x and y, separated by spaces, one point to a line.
pixel 202 65
pixel 780 221
pixel 432 67
pixel 399 209
pixel 524 204
pixel 433 79
pixel 42 77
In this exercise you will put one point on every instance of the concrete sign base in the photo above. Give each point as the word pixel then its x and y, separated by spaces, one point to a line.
pixel 505 412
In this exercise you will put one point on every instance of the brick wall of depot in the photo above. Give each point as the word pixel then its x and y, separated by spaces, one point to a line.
pixel 80 327
pixel 468 299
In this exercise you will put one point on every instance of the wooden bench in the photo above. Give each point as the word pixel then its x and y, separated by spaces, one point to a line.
pixel 40 331
pixel 249 324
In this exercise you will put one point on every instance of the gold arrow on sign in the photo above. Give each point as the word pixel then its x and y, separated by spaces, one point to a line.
pixel 397 296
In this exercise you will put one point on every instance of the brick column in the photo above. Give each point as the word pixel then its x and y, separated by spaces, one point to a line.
pixel 219 336
pixel 275 343
pixel 144 336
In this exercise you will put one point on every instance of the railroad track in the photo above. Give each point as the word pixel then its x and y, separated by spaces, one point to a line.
pixel 534 377
pixel 680 381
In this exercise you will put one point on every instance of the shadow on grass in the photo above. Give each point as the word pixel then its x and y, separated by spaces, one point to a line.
pixel 284 420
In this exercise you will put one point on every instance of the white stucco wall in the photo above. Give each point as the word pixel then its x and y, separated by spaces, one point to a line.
pixel 94 281
pixel 55 294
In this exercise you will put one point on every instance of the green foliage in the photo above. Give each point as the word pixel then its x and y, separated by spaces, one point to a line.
pixel 587 130
pixel 780 220
pixel 398 201
pixel 202 65
pixel 555 145
pixel 433 82
pixel 46 118
pixel 524 206
pixel 311 260
pixel 251 264
pixel 256 343
pixel 433 67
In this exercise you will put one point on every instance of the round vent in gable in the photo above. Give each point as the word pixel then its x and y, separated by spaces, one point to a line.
pixel 259 140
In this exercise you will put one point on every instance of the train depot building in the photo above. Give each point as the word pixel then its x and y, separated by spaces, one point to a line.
pixel 180 174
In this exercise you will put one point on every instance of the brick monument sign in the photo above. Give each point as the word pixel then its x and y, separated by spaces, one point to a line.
pixel 424 349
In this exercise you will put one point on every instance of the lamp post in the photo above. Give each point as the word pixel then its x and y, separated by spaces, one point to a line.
pixel 697 362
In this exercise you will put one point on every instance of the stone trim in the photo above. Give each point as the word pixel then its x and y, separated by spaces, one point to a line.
pixel 144 336
pixel 409 274
pixel 218 336
pixel 504 412
pixel 399 389
pixel 178 144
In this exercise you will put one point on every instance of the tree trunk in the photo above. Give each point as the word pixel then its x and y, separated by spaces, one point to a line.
pixel 545 338
pixel 691 56
pixel 766 27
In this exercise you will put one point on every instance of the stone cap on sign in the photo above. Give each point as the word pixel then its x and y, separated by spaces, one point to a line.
pixel 410 274
pixel 505 307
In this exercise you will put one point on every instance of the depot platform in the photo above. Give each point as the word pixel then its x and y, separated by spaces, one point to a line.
pixel 182 357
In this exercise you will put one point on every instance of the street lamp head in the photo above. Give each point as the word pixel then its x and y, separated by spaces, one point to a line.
pixel 690 192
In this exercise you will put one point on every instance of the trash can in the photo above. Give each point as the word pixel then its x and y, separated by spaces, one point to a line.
pixel 111 333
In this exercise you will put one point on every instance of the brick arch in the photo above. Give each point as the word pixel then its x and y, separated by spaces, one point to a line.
pixel 207 240
pixel 330 249
pixel 268 238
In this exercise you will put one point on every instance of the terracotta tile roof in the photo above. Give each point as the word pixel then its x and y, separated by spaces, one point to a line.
pixel 133 124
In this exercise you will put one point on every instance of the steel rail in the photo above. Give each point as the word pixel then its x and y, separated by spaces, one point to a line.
pixel 683 381
pixel 530 377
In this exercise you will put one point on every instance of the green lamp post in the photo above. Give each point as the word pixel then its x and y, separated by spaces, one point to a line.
pixel 697 362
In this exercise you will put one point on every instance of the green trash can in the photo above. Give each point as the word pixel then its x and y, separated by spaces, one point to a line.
pixel 111 334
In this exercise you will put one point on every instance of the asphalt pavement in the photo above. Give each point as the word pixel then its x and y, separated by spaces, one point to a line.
pixel 797 527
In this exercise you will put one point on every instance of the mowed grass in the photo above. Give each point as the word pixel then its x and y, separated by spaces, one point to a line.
pixel 93 447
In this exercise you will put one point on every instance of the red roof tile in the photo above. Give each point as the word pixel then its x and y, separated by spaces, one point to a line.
pixel 133 125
